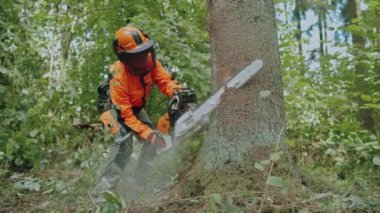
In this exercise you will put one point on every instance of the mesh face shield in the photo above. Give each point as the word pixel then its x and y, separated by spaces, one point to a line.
pixel 140 63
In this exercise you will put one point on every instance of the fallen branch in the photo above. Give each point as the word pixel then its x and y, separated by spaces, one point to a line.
pixel 318 197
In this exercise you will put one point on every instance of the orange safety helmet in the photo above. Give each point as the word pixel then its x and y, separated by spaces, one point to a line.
pixel 135 49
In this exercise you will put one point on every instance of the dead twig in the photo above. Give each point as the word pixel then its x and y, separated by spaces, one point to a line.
pixel 318 197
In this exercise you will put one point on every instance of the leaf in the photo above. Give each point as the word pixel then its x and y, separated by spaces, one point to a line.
pixel 60 186
pixel 366 97
pixel 329 151
pixel 355 200
pixel 275 156
pixel 259 166
pixel 19 161
pixel 372 137
pixel 265 162
pixel 85 164
pixel 33 133
pixel 109 196
pixel 338 159
pixel 376 161
pixel 217 198
pixel 114 198
pixel 275 181
pixel 291 143
pixel 370 106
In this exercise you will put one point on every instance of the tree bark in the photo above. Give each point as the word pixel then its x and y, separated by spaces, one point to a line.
pixel 248 121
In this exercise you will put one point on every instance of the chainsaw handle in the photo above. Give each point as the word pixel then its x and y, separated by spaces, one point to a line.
pixel 173 102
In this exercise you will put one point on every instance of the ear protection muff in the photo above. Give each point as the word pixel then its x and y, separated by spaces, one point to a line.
pixel 119 50
pixel 152 49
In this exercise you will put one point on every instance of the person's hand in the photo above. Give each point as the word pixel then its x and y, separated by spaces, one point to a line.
pixel 156 138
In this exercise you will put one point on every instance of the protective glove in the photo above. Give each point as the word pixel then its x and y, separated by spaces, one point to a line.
pixel 156 138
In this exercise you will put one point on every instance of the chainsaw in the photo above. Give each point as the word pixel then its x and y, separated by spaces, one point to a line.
pixel 185 118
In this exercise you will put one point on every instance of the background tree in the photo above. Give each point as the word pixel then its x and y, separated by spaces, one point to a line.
pixel 352 14
pixel 298 17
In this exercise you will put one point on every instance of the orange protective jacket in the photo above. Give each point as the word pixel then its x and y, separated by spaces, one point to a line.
pixel 129 91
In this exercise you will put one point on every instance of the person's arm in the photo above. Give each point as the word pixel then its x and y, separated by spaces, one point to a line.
pixel 122 101
pixel 164 81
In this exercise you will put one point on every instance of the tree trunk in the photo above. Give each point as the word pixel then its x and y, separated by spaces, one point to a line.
pixel 376 116
pixel 297 16
pixel 325 32
pixel 286 12
pixel 248 121
pixel 320 28
pixel 365 115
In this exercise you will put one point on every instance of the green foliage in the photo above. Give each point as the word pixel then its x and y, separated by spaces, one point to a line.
pixel 114 202
pixel 53 57
pixel 321 104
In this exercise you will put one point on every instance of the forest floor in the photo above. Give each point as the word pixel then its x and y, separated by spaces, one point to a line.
pixel 174 185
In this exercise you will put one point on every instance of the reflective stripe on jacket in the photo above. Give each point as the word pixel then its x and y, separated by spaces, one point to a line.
pixel 128 91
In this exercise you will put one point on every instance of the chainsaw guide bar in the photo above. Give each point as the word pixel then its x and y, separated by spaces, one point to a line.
pixel 195 121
